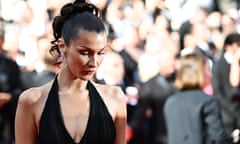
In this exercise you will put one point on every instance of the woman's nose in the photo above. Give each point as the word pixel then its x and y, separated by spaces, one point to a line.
pixel 93 60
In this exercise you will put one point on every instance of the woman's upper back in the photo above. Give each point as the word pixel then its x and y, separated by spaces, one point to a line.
pixel 194 117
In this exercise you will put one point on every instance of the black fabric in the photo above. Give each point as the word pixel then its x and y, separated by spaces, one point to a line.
pixel 192 117
pixel 130 66
pixel 35 79
pixel 153 94
pixel 100 128
pixel 226 94
pixel 10 82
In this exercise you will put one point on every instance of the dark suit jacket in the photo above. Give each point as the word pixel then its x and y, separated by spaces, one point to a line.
pixel 152 95
pixel 10 82
pixel 226 94
pixel 35 79
pixel 193 117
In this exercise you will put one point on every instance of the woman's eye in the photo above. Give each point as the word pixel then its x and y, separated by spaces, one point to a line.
pixel 88 53
pixel 84 53
pixel 101 53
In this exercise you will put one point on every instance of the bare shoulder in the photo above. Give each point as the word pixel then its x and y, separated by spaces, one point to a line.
pixel 33 96
pixel 114 99
pixel 111 92
pixel 29 109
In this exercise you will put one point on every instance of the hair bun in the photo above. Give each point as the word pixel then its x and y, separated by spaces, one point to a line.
pixel 79 6
pixel 72 8
pixel 79 1
pixel 66 9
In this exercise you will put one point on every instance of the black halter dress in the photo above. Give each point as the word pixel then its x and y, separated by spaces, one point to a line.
pixel 100 126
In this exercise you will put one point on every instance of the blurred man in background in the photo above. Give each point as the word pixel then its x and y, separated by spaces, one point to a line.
pixel 10 88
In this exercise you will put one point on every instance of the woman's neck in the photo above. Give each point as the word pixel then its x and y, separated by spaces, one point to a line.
pixel 69 82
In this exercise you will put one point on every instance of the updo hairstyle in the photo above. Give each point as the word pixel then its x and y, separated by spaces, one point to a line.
pixel 73 19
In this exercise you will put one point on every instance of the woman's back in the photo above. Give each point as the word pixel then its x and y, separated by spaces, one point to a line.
pixel 193 117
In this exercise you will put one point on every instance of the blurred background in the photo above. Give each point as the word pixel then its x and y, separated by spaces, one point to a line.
pixel 147 38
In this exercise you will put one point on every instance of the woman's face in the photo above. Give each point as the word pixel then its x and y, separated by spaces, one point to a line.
pixel 162 22
pixel 85 54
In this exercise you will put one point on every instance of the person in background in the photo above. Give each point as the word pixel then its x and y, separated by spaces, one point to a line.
pixel 111 71
pixel 234 77
pixel 216 36
pixel 10 88
pixel 191 115
pixel 229 23
pixel 131 53
pixel 152 96
pixel 45 69
pixel 199 17
pixel 72 108
pixel 226 84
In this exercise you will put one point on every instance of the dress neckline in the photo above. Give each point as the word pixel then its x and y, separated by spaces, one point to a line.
pixel 62 120
pixel 100 126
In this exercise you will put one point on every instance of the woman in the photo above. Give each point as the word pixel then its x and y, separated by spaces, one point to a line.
pixel 72 109
pixel 192 117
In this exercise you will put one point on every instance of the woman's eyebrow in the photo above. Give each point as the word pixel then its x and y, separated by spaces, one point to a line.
pixel 82 46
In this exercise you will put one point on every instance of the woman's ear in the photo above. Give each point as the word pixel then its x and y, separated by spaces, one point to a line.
pixel 62 46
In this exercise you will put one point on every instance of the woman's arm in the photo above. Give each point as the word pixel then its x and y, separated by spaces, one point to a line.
pixel 4 98
pixel 25 126
pixel 234 75
pixel 121 119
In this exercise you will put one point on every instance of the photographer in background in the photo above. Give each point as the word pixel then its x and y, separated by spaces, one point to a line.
pixel 10 88
pixel 226 83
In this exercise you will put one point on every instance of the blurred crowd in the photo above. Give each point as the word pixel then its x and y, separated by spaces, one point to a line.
pixel 147 38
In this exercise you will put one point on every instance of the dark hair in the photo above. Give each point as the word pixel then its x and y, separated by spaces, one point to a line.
pixel 157 11
pixel 74 18
pixel 231 39
pixel 161 12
